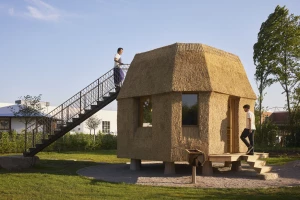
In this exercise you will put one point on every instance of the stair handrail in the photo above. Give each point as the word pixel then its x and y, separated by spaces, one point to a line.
pixel 59 110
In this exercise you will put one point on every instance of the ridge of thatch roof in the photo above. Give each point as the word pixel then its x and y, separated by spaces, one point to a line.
pixel 186 67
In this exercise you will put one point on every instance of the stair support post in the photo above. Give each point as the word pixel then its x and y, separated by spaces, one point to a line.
pixel 98 90
pixel 80 103
pixel 33 137
pixel 62 115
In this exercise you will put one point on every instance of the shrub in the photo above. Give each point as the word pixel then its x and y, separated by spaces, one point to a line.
pixel 14 142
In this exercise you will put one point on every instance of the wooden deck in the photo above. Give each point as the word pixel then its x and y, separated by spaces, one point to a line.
pixel 231 157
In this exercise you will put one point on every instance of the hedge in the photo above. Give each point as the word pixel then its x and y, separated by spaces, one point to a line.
pixel 14 142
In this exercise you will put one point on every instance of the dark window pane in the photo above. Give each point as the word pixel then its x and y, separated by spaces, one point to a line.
pixel 145 113
pixel 189 109
pixel 4 124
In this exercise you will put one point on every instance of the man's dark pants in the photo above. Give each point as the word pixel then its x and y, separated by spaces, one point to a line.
pixel 250 136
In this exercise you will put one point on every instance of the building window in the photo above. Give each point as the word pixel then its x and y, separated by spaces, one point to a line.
pixel 145 112
pixel 189 109
pixel 106 126
pixel 4 124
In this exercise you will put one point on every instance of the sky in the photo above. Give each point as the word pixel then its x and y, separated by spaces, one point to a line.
pixel 58 47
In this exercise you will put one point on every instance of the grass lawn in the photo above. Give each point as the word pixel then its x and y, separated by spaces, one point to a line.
pixel 55 178
pixel 281 160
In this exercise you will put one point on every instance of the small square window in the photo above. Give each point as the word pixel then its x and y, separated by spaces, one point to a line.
pixel 4 124
pixel 145 112
pixel 189 109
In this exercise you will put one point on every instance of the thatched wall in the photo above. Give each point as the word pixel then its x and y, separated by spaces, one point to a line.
pixel 189 137
pixel 168 139
pixel 144 142
pixel 218 123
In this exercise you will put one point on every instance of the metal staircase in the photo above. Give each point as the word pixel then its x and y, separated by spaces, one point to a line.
pixel 74 111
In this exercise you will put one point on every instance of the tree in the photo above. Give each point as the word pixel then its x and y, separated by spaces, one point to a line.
pixel 28 111
pixel 92 124
pixel 278 52
pixel 263 73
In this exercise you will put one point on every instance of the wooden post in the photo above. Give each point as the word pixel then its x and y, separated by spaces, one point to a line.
pixel 194 175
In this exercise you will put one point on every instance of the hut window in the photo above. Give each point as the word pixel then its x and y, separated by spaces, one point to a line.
pixel 145 112
pixel 189 109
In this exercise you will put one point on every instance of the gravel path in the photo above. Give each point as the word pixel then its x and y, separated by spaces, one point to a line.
pixel 152 174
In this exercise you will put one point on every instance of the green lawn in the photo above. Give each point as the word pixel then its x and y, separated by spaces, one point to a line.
pixel 281 160
pixel 55 178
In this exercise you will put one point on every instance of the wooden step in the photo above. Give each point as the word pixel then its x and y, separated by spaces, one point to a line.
pixel 75 119
pixel 263 169
pixel 262 155
pixel 38 145
pixel 111 93
pixel 87 110
pixel 250 158
pixel 257 163
pixel 44 140
pixel 32 148
pixel 93 107
pixel 100 102
pixel 50 136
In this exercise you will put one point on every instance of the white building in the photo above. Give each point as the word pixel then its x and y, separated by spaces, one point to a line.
pixel 9 122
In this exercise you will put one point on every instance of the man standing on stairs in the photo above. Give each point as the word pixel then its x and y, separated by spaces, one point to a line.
pixel 118 72
pixel 249 130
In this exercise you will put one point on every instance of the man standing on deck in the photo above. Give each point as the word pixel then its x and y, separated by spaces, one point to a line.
pixel 118 73
pixel 249 130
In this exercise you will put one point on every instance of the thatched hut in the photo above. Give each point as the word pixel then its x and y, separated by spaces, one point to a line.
pixel 182 96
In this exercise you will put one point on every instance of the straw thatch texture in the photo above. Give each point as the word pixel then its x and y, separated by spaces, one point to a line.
pixel 189 137
pixel 164 74
pixel 186 67
pixel 149 73
pixel 144 142
pixel 218 123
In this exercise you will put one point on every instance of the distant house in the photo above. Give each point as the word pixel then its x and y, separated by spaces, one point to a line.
pixel 9 122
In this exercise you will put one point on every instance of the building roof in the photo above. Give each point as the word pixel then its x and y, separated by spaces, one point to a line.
pixel 187 67
pixel 7 111
pixel 279 118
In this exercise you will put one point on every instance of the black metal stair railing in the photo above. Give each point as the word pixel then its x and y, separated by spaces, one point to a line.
pixel 71 110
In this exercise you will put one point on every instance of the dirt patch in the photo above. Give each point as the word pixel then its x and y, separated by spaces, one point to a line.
pixel 153 174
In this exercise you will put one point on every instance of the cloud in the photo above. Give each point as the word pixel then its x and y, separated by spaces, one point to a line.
pixel 42 11
pixel 11 11
pixel 38 10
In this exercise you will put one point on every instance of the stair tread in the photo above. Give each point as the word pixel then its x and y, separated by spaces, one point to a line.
pixel 257 163
pixel 263 169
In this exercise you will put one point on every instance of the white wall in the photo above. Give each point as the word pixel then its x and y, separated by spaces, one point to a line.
pixel 104 115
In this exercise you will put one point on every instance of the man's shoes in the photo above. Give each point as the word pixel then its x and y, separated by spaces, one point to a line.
pixel 250 149
pixel 250 153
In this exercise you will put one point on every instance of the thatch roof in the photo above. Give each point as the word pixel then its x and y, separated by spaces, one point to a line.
pixel 186 67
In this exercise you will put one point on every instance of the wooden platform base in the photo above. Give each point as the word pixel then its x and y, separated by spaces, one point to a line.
pixel 235 160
